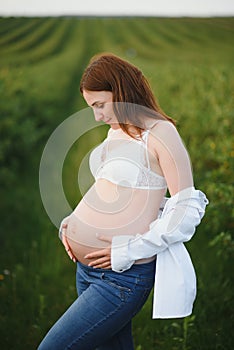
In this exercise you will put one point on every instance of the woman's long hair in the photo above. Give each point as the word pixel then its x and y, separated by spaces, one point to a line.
pixel 132 95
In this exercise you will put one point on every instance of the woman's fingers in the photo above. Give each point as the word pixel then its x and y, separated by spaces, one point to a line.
pixel 99 253
pixel 103 261
pixel 68 249
pixel 65 243
pixel 104 238
pixel 102 258
pixel 101 264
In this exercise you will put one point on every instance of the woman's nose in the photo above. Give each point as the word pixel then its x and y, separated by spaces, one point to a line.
pixel 98 116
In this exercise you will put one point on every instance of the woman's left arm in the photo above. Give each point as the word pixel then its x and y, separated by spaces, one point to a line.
pixel 182 214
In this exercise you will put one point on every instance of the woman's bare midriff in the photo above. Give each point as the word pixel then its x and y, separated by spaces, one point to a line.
pixel 110 210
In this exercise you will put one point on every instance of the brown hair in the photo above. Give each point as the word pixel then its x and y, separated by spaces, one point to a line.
pixel 107 72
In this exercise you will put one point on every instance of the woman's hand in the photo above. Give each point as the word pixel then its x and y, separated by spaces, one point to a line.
pixel 66 245
pixel 103 256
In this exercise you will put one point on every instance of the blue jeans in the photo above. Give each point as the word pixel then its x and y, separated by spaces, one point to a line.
pixel 100 318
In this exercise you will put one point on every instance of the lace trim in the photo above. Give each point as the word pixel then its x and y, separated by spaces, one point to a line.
pixel 149 179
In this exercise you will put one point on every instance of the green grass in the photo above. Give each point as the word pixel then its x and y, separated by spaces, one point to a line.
pixel 189 65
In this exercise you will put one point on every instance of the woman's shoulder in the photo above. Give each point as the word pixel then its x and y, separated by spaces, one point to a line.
pixel 164 139
pixel 164 129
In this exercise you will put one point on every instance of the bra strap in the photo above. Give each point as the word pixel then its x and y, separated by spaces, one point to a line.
pixel 146 137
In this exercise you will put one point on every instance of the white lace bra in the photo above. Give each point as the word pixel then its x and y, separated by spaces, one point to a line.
pixel 124 161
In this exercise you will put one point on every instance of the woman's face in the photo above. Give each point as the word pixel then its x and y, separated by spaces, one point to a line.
pixel 101 103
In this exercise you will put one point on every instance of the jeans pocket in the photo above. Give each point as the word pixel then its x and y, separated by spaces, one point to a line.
pixel 119 289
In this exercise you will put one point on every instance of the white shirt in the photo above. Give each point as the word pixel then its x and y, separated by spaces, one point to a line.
pixel 175 278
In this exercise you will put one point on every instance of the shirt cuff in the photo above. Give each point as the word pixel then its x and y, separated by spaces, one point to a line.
pixel 120 260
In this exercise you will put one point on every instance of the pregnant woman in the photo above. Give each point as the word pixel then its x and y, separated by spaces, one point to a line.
pixel 124 235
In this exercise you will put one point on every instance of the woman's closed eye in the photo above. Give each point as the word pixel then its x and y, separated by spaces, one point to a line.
pixel 100 105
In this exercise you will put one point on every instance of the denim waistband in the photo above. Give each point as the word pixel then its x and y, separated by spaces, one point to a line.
pixel 136 268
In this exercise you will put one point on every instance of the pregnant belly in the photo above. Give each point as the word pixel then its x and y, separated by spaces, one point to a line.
pixel 110 210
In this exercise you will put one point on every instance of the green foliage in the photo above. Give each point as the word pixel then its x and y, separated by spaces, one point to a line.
pixel 189 65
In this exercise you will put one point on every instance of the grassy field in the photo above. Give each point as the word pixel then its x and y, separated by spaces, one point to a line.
pixel 189 63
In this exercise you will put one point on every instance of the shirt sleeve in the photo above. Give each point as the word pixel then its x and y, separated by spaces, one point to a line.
pixel 180 217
